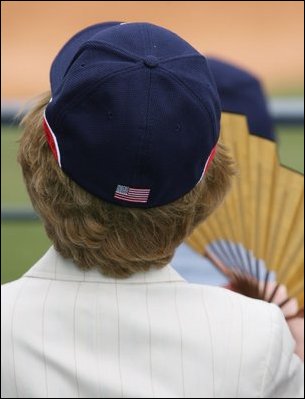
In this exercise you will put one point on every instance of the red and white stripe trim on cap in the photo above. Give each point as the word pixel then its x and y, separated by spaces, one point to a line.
pixel 208 162
pixel 51 138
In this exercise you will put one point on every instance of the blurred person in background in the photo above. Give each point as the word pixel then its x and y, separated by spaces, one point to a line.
pixel 242 93
pixel 122 161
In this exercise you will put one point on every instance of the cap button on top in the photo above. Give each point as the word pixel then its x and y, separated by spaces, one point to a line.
pixel 151 61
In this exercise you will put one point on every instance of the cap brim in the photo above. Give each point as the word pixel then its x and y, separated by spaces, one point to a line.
pixel 68 51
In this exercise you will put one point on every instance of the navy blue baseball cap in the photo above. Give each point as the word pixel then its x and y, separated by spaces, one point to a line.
pixel 134 116
pixel 241 92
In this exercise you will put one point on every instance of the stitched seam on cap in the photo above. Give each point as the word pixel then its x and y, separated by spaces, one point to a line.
pixel 147 155
pixel 68 43
pixel 140 155
pixel 99 46
pixel 90 90
pixel 185 86
pixel 146 40
pixel 149 39
pixel 180 57
pixel 139 160
pixel 116 49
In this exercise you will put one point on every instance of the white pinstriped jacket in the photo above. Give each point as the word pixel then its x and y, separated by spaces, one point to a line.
pixel 68 333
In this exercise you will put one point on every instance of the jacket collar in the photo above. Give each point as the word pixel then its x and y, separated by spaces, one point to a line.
pixel 52 266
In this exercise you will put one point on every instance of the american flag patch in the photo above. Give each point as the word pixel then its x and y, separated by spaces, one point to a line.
pixel 132 194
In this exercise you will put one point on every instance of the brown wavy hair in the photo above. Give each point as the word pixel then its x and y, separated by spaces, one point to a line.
pixel 119 241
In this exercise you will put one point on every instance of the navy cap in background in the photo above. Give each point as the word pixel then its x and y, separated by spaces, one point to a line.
pixel 240 92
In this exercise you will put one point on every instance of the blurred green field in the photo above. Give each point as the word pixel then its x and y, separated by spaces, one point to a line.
pixel 22 243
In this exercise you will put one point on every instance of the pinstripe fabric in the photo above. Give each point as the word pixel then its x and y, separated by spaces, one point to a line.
pixel 43 336
pixel 66 333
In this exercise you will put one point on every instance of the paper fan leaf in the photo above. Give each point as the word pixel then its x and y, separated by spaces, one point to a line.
pixel 262 217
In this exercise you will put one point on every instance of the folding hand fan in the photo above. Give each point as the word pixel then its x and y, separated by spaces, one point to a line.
pixel 257 234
